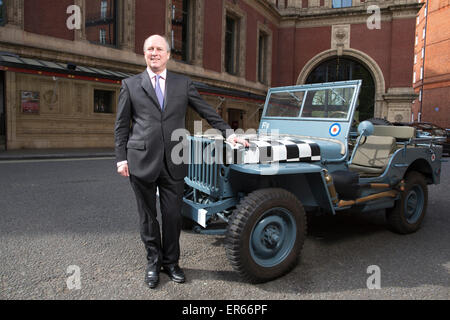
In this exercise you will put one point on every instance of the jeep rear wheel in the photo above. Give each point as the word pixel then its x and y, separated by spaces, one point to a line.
pixel 409 211
pixel 265 234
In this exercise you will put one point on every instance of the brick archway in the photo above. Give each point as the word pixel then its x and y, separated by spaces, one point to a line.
pixel 367 61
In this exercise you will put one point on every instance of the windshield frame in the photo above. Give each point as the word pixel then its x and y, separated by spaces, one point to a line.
pixel 332 86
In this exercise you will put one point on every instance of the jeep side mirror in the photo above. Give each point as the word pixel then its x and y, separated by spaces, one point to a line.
pixel 365 128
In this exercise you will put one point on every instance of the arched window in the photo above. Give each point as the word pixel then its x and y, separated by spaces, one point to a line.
pixel 343 69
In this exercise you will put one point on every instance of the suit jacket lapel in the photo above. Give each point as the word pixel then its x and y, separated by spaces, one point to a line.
pixel 148 88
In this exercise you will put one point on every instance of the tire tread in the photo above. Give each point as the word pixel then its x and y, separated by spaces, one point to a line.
pixel 238 221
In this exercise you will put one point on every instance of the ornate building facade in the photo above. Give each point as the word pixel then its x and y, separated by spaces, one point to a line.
pixel 61 62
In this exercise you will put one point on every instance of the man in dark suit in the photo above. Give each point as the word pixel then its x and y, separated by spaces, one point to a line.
pixel 151 106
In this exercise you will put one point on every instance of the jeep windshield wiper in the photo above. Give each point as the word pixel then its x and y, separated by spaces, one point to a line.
pixel 342 99
pixel 295 97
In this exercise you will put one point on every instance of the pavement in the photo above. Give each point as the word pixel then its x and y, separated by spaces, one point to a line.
pixel 31 154
pixel 66 220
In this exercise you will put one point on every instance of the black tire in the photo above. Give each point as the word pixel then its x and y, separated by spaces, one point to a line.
pixel 258 217
pixel 409 211
pixel 380 121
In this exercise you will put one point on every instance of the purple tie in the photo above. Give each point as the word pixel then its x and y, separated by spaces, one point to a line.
pixel 159 93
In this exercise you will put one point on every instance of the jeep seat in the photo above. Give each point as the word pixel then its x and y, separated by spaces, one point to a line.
pixel 400 133
pixel 372 156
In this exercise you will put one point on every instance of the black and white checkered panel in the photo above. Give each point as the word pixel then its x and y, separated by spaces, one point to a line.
pixel 266 150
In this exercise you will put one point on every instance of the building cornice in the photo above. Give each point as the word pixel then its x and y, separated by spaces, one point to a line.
pixel 296 7
pixel 266 9
pixel 321 16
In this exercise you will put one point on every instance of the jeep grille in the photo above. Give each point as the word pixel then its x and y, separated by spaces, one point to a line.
pixel 203 173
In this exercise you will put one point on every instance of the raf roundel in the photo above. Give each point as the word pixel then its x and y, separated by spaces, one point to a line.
pixel 433 157
pixel 335 129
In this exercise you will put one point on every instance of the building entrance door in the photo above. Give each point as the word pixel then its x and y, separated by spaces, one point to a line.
pixel 343 69
pixel 2 112
pixel 235 118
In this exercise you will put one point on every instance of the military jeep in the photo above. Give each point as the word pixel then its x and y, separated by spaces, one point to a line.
pixel 301 159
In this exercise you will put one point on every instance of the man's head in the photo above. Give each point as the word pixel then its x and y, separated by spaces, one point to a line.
pixel 157 53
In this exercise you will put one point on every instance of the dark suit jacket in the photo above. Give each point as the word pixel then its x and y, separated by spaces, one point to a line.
pixel 145 142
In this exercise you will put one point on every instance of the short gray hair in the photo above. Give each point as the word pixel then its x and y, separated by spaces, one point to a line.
pixel 165 38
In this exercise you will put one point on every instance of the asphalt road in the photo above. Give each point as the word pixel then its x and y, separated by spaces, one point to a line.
pixel 58 218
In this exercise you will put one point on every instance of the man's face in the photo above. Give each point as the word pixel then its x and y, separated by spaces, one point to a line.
pixel 156 54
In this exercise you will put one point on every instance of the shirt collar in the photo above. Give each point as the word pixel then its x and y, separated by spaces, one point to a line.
pixel 152 74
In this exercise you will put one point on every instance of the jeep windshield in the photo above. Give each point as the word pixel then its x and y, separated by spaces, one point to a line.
pixel 329 104
pixel 322 110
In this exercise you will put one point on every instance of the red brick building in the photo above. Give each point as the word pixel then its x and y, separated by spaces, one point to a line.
pixel 431 78
pixel 233 49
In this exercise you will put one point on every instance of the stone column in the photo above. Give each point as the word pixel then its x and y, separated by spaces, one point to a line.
pixel 398 103
pixel 126 14
pixel 291 3
pixel 197 39
pixel 313 3
pixel 80 34
pixel 14 13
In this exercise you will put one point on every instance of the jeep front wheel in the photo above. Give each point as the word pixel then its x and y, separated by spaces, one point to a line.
pixel 265 234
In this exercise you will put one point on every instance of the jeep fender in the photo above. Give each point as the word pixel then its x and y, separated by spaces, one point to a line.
pixel 305 180
pixel 427 161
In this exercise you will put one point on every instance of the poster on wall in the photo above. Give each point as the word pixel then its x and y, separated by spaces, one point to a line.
pixel 30 102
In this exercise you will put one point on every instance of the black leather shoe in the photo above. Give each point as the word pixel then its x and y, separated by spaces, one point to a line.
pixel 152 277
pixel 175 273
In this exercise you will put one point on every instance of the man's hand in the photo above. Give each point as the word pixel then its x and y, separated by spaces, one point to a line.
pixel 233 139
pixel 123 170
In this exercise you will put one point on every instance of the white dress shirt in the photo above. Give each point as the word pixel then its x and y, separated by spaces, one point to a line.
pixel 162 79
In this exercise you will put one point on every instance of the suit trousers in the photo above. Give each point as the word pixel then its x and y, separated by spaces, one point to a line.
pixel 165 250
